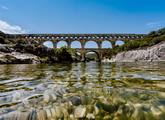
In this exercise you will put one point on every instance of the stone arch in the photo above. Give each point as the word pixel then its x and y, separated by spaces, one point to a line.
pixel 48 44
pixel 91 44
pixel 62 43
pixel 119 43
pixel 97 57
pixel 106 44
pixel 76 44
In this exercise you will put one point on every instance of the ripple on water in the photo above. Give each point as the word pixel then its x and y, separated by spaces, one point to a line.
pixel 83 90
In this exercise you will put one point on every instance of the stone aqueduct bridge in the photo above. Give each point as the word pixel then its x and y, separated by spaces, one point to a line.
pixel 82 38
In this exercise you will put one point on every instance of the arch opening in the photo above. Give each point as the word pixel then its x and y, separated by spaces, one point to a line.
pixel 75 44
pixel 62 44
pixel 106 44
pixel 48 44
pixel 91 44
pixel 91 56
pixel 119 43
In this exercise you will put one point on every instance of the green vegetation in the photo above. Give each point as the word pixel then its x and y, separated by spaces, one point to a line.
pixel 56 55
pixel 2 39
pixel 151 39
pixel 59 52
pixel 46 55
pixel 64 54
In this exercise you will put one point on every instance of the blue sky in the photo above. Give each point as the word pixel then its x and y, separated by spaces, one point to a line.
pixel 84 16
pixel 81 16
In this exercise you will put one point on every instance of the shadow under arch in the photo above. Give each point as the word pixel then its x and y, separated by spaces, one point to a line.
pixel 48 44
pixel 62 43
pixel 106 44
pixel 76 44
pixel 92 56
pixel 91 44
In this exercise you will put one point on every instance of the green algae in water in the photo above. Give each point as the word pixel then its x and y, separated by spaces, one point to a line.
pixel 107 91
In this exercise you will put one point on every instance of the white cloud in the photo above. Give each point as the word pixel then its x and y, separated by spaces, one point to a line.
pixel 4 7
pixel 10 29
pixel 156 24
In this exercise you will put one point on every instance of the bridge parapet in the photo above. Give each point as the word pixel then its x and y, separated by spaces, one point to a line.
pixel 79 36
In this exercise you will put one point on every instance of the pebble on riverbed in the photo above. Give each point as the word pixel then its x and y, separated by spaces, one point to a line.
pixel 80 112
pixel 57 103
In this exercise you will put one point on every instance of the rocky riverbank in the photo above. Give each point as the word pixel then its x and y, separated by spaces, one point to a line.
pixel 31 54
pixel 18 58
pixel 24 52
pixel 8 55
pixel 149 54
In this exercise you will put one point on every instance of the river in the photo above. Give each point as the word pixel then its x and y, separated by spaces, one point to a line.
pixel 119 91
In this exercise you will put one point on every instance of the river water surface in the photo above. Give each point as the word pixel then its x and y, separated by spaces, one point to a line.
pixel 118 91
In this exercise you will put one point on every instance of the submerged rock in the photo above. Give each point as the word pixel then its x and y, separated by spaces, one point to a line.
pixel 41 115
pixel 18 116
pixel 46 98
pixel 90 116
pixel 139 113
pixel 107 107
pixel 75 100
pixel 80 112
pixel 32 115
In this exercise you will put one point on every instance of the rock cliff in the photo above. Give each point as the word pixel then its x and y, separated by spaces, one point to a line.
pixel 154 53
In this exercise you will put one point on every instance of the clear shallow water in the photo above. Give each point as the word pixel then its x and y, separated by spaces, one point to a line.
pixel 83 90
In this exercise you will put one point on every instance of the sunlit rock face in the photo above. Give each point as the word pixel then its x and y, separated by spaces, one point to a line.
pixel 154 53
pixel 17 58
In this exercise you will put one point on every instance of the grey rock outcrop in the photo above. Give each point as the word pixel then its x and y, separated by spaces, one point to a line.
pixel 5 48
pixel 154 53
pixel 16 58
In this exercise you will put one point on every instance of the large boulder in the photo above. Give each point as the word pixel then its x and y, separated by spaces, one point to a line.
pixel 17 58
pixel 80 112
pixel 5 48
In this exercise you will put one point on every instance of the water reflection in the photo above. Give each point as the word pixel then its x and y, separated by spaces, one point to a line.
pixel 83 90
